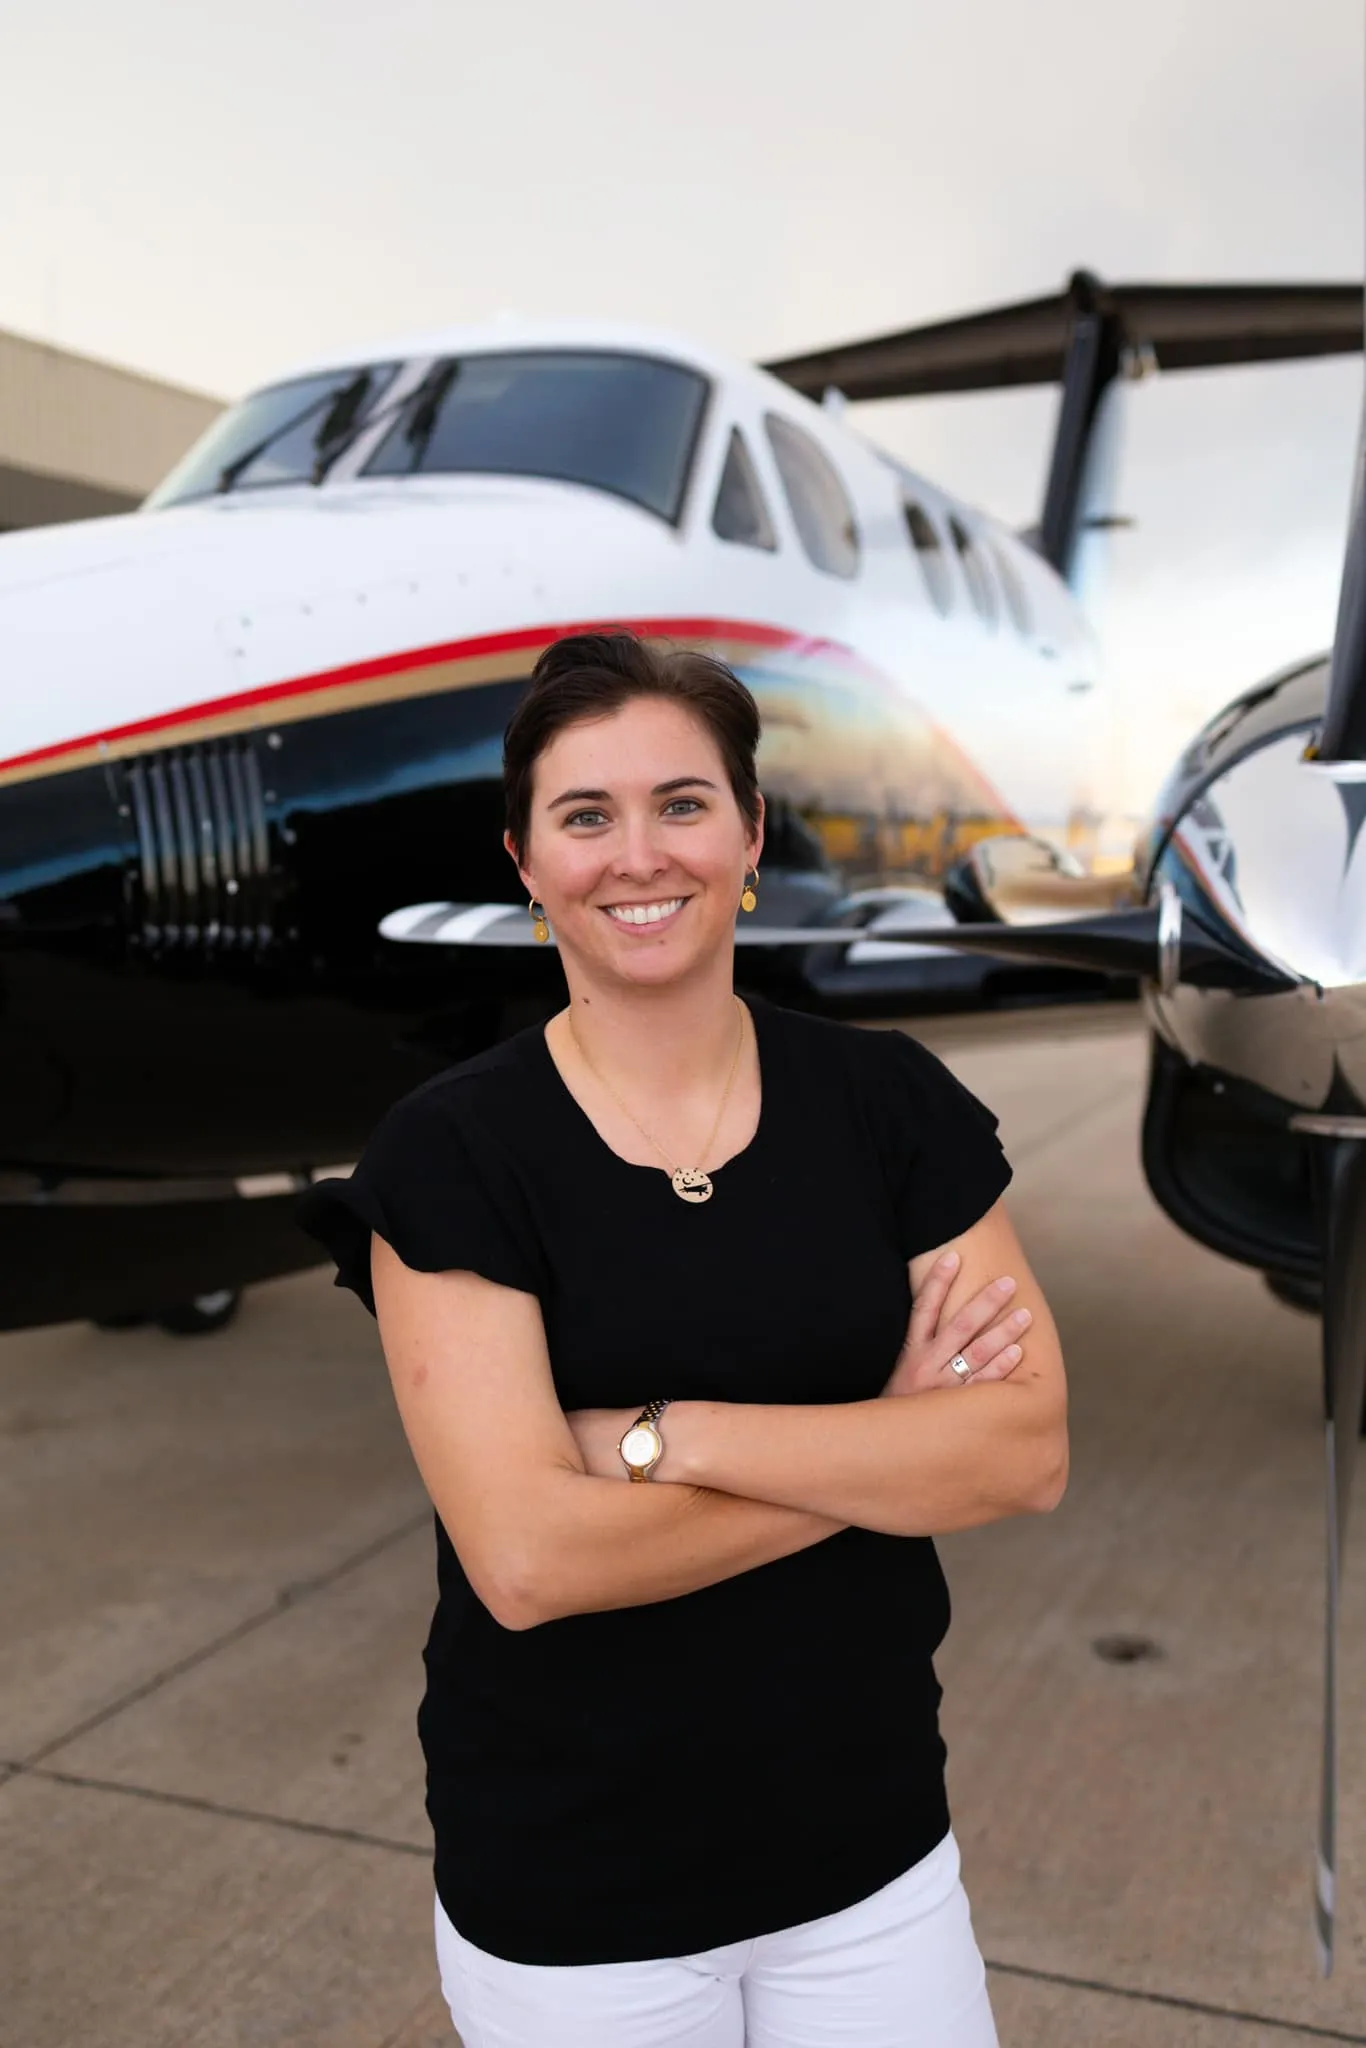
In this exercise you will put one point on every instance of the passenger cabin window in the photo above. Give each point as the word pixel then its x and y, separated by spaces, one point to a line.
pixel 740 513
pixel 928 543
pixel 821 511
pixel 625 424
pixel 277 436
pixel 981 589
pixel 1016 596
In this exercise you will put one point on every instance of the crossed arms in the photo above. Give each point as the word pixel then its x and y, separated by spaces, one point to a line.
pixel 544 1526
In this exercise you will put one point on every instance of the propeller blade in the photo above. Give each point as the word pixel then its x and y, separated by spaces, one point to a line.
pixel 1344 1389
pixel 1157 941
pixel 1343 736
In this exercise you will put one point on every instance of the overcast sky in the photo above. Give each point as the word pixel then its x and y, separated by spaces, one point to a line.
pixel 211 192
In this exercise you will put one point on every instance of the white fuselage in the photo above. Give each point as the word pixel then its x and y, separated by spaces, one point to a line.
pixel 245 607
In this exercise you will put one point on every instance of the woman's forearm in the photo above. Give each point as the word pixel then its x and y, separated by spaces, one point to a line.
pixel 920 1466
pixel 600 1543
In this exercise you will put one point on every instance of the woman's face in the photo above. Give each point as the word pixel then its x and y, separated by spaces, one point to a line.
pixel 637 847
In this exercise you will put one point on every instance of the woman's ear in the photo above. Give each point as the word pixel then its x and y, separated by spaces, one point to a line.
pixel 510 849
pixel 756 842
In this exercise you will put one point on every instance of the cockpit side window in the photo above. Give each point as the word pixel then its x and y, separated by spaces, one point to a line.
pixel 819 503
pixel 981 589
pixel 740 514
pixel 928 543
pixel 626 424
pixel 1016 596
pixel 277 436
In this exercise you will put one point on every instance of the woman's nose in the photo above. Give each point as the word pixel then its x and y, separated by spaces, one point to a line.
pixel 639 851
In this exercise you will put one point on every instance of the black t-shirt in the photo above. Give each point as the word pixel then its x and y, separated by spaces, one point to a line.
pixel 655 1780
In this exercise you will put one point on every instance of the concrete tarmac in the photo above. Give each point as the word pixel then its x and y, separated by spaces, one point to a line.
pixel 218 1575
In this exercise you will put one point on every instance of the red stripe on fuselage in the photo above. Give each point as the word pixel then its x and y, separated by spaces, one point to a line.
pixel 538 637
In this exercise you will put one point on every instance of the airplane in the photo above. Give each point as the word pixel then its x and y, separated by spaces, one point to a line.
pixel 249 722
pixel 252 885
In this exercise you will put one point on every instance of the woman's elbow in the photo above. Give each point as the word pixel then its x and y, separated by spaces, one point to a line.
pixel 528 1587
pixel 519 1564
pixel 1048 1481
pixel 514 1611
pixel 507 1583
pixel 510 1603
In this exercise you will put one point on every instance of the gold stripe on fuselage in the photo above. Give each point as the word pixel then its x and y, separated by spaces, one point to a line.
pixel 290 708
pixel 398 678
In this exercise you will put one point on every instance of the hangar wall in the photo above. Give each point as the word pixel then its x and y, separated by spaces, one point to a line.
pixel 79 438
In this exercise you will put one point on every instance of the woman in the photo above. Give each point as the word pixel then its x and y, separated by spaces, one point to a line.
pixel 644 1279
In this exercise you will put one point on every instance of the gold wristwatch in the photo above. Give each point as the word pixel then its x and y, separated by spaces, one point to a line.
pixel 642 1447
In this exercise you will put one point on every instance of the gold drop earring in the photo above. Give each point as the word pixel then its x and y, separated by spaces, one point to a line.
pixel 540 930
pixel 749 901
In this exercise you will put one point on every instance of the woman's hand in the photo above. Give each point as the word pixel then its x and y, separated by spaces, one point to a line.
pixel 984 1331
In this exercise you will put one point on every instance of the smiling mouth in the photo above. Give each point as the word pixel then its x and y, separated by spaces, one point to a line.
pixel 636 915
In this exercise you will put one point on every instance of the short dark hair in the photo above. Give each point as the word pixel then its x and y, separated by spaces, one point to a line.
pixel 591 675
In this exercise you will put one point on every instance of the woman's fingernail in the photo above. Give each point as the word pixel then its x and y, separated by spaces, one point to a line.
pixel 1020 1318
pixel 1012 1352
pixel 948 1262
pixel 1005 1285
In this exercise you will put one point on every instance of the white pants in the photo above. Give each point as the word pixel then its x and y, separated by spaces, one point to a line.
pixel 898 1970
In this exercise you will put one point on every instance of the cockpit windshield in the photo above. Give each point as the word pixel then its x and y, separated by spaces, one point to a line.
pixel 627 424
pixel 283 435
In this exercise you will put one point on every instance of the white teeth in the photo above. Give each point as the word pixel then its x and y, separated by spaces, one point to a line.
pixel 644 913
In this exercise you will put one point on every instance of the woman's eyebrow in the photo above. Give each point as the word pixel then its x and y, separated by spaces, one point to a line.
pixel 682 782
pixel 578 796
pixel 602 796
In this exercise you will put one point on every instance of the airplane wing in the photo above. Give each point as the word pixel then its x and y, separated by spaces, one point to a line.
pixel 1184 326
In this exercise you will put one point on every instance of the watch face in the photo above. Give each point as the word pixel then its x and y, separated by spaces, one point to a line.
pixel 640 1446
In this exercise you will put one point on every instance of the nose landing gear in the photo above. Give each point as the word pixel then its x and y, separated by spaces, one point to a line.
pixel 200 1316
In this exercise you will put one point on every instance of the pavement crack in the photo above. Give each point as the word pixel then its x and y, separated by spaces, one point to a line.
pixel 1306 2029
pixel 188 1800
pixel 288 1598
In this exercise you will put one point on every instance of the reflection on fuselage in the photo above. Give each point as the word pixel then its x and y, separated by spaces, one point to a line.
pixel 124 907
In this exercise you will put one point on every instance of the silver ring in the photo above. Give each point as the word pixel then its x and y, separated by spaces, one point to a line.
pixel 960 1369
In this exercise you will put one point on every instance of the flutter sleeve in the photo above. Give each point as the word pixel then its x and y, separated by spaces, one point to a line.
pixel 945 1163
pixel 436 1187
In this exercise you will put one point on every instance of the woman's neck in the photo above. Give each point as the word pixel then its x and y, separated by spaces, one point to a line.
pixel 656 1042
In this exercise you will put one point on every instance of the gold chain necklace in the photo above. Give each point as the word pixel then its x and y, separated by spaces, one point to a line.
pixel 690 1183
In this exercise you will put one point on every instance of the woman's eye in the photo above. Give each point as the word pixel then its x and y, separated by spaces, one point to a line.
pixel 679 806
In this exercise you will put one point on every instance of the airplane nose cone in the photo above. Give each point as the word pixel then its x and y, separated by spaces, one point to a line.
pixel 1274 848
pixel 1272 856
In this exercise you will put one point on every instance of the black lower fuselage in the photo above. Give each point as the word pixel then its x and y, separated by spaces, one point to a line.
pixel 195 1000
